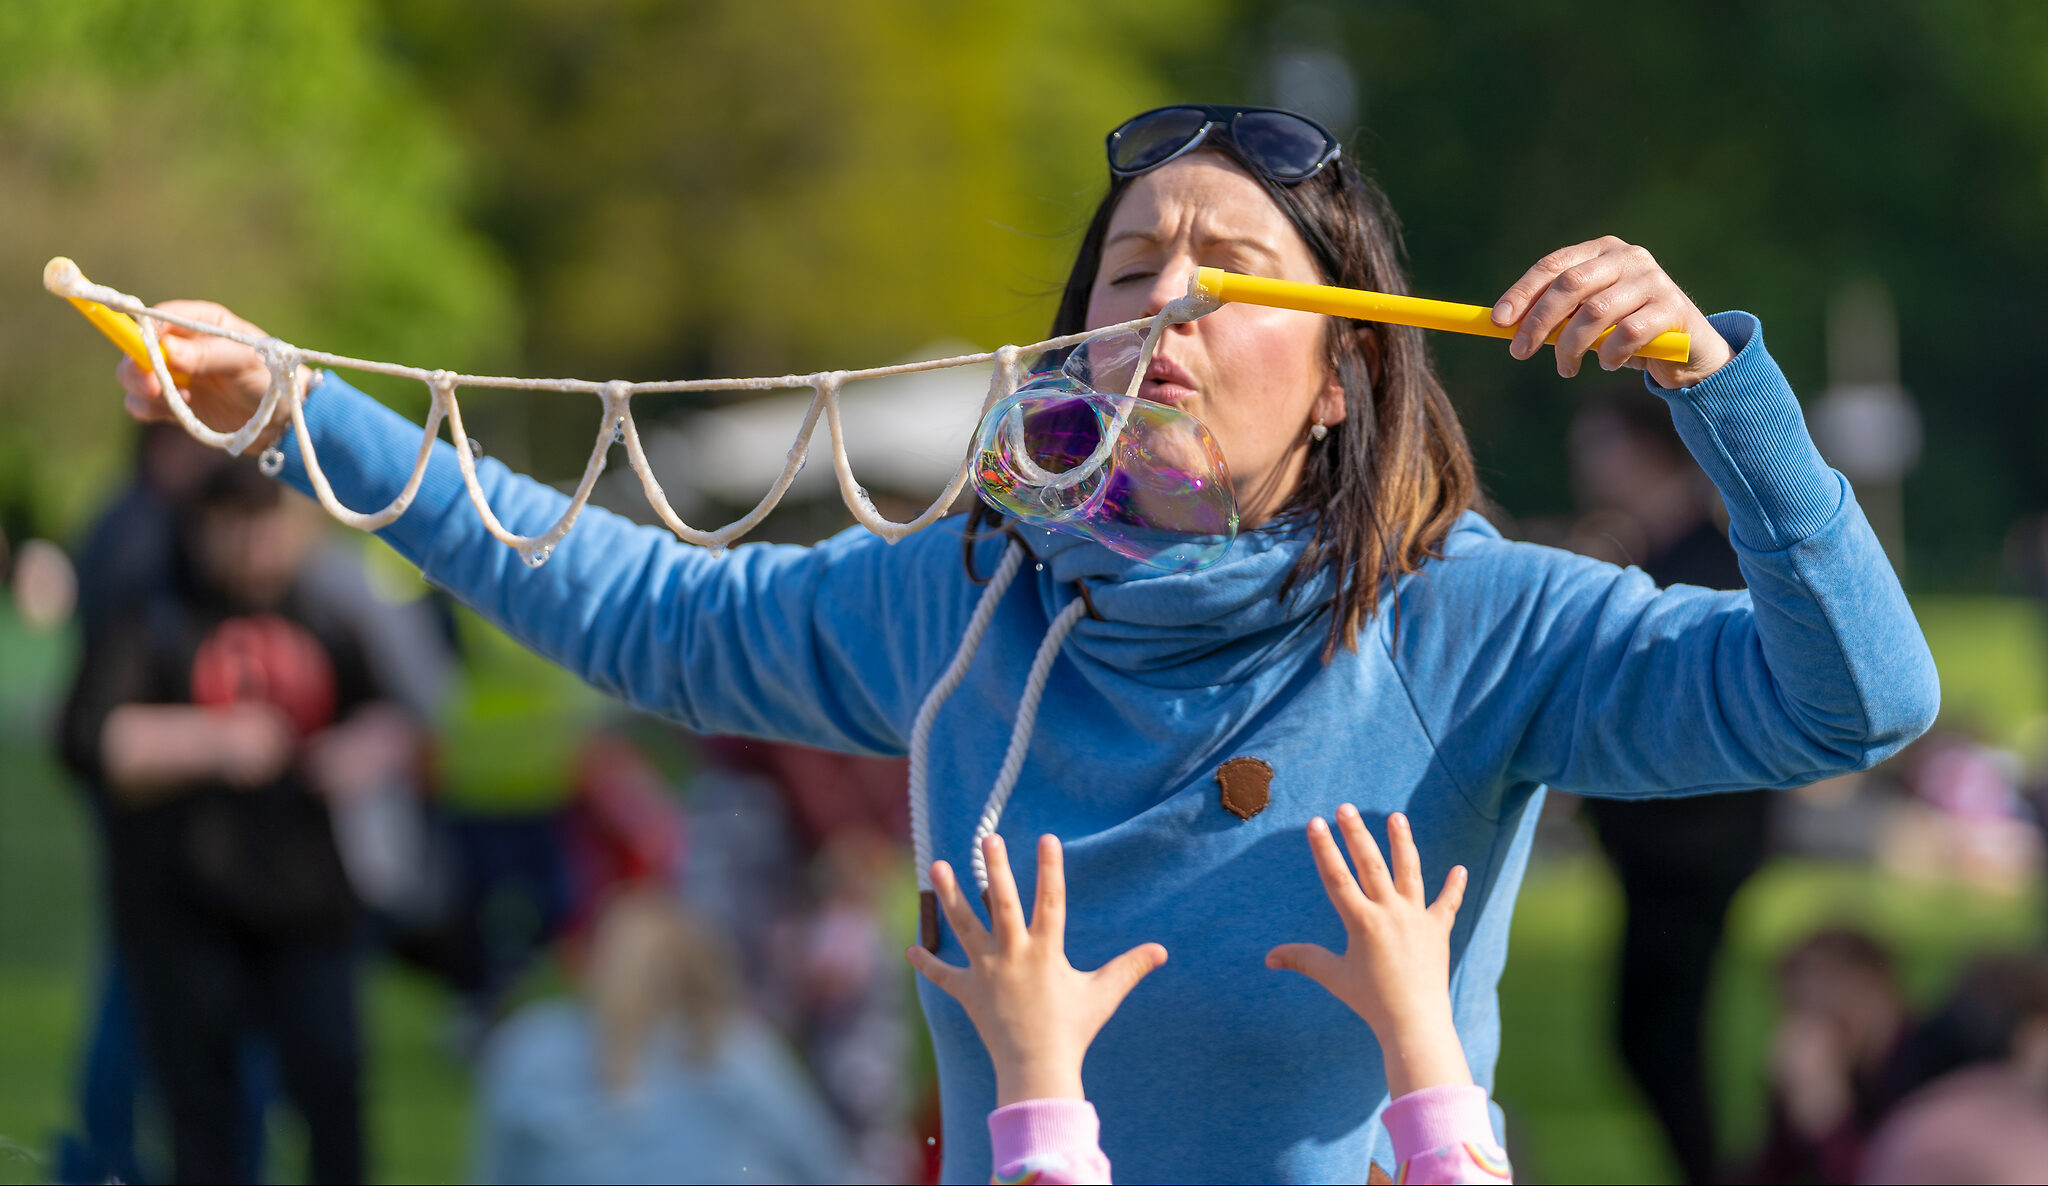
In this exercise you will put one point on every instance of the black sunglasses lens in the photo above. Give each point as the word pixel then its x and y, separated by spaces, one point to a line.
pixel 1283 145
pixel 1151 138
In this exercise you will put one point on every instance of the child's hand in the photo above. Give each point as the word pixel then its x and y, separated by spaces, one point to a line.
pixel 1034 1011
pixel 1396 971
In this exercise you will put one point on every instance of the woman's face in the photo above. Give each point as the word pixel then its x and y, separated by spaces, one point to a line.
pixel 1257 377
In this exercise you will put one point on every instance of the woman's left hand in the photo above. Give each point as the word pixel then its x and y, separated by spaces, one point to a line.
pixel 1584 289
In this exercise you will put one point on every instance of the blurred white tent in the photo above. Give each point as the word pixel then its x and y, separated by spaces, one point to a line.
pixel 905 434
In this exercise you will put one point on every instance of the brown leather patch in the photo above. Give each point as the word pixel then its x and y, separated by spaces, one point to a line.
pixel 1247 786
pixel 1376 1175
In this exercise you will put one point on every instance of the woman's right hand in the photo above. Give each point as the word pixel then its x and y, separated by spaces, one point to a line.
pixel 227 379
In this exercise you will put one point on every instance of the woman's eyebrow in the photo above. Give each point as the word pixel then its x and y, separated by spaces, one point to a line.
pixel 1242 243
pixel 1152 239
pixel 1139 233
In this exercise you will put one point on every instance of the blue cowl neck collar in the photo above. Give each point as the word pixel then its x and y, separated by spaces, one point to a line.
pixel 1189 629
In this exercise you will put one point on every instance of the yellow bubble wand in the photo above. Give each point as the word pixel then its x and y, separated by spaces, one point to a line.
pixel 1359 304
pixel 120 328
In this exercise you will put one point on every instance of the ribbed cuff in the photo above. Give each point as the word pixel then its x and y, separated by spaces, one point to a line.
pixel 1438 1116
pixel 1034 1127
pixel 1744 425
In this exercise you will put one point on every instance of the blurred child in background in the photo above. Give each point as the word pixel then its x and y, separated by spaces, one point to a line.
pixel 660 1072
pixel 1844 1026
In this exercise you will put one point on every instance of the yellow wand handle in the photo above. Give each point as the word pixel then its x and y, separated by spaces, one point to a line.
pixel 1217 284
pixel 120 328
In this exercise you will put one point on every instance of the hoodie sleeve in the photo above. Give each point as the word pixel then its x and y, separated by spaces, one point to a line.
pixel 779 642
pixel 1572 672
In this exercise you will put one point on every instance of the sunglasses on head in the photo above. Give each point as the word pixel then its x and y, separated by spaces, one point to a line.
pixel 1280 144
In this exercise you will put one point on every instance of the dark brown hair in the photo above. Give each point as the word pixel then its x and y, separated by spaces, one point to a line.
pixel 1383 489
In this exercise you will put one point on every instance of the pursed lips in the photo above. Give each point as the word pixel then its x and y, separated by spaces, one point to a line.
pixel 1167 382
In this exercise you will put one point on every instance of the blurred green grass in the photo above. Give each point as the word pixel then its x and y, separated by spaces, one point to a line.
pixel 1570 1111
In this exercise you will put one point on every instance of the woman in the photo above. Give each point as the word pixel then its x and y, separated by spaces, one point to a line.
pixel 1366 638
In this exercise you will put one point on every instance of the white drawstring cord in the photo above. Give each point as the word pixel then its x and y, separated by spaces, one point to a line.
pixel 1020 732
pixel 921 729
pixel 1013 758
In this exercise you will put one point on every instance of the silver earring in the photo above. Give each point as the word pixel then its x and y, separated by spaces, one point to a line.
pixel 1318 431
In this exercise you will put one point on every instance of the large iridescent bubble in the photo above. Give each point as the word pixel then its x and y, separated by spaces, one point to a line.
pixel 1068 451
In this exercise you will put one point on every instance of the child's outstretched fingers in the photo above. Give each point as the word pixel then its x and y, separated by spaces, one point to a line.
pixel 1395 969
pixel 1005 910
pixel 1407 864
pixel 1314 961
pixel 1453 896
pixel 1049 911
pixel 1373 876
pixel 973 936
pixel 947 976
pixel 1338 883
pixel 1120 975
pixel 1036 1013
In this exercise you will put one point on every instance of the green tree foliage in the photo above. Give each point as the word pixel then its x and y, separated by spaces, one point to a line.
pixel 260 152
pixel 735 189
pixel 1767 153
pixel 721 188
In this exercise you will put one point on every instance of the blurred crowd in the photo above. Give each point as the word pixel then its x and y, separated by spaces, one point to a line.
pixel 673 959
pixel 1861 1088
pixel 666 959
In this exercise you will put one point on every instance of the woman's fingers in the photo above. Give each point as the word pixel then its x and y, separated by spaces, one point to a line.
pixel 1572 289
pixel 1514 303
pixel 1337 880
pixel 1049 911
pixel 1319 964
pixel 209 312
pixel 136 381
pixel 1365 853
pixel 1453 895
pixel 946 887
pixel 1005 910
pixel 946 976
pixel 1596 315
pixel 205 356
pixel 1407 865
pixel 1637 330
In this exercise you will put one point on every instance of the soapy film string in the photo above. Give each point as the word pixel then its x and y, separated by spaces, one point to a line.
pixel 283 359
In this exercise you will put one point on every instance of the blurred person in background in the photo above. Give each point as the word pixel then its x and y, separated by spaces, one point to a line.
pixel 658 1071
pixel 216 715
pixel 1983 1117
pixel 1834 1056
pixel 124 559
pixel 1645 501
pixel 818 957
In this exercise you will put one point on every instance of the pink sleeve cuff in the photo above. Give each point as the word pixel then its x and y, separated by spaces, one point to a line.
pixel 1047 1141
pixel 1445 1135
pixel 1437 1116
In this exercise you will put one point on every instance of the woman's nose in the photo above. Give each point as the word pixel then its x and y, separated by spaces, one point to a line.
pixel 1169 285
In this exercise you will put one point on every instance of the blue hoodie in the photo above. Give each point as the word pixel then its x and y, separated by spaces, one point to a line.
pixel 1516 666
